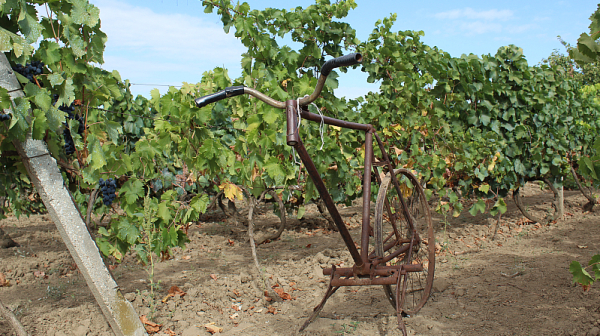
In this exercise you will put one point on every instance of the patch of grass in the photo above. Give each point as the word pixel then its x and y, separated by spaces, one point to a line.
pixel 56 292
pixel 348 329
pixel 288 238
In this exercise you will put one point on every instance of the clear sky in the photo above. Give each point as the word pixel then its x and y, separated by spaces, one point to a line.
pixel 161 43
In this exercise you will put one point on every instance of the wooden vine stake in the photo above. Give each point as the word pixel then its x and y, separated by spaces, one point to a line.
pixel 45 176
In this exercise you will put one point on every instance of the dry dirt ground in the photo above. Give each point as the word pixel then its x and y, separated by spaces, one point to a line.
pixel 518 284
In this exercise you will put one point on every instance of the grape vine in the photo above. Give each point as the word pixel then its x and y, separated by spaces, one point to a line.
pixel 470 126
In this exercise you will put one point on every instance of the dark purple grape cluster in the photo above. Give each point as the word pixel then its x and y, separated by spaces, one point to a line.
pixel 30 69
pixel 70 115
pixel 69 144
pixel 108 188
pixel 4 117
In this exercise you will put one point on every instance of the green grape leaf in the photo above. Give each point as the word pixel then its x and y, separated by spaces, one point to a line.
pixel 67 93
pixel 271 115
pixel 84 13
pixel 127 231
pixel 588 46
pixel 5 101
pixel 114 130
pixel 96 158
pixel 5 40
pixel 30 27
pixel 200 203
pixel 20 117
pixel 73 64
pixel 39 124
pixel 9 40
pixel 77 45
pixel 133 190
pixel 49 51
pixel 301 212
pixel 275 171
pixel 595 263
pixel 580 275
pixel 519 167
pixel 484 187
pixel 479 206
pixel 499 207
pixel 587 162
pixel 105 246
pixel 41 98
pixel 164 211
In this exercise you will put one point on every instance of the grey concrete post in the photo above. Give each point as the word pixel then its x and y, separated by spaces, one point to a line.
pixel 46 178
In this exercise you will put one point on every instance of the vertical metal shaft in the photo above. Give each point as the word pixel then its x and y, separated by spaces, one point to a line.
pixel 292 122
pixel 364 241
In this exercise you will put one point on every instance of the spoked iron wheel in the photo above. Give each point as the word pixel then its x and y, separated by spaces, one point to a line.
pixel 392 231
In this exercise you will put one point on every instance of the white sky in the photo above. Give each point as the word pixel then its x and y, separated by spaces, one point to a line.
pixel 171 41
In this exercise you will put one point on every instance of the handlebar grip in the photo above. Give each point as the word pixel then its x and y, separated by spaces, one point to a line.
pixel 215 97
pixel 346 60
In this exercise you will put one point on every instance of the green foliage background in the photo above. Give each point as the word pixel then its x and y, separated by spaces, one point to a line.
pixel 470 126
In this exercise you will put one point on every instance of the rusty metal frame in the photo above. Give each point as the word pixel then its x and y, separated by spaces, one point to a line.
pixel 367 270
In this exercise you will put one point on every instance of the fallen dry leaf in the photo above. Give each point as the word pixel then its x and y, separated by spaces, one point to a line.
pixel 174 291
pixel 272 310
pixel 267 297
pixel 292 284
pixel 186 257
pixel 308 246
pixel 151 329
pixel 169 332
pixel 3 281
pixel 150 326
pixel 230 242
pixel 212 328
pixel 282 294
pixel 214 276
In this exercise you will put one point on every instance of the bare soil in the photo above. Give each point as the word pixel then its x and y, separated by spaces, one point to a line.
pixel 517 284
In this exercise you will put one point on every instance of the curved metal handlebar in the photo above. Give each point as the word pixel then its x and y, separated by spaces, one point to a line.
pixel 346 60
pixel 228 92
